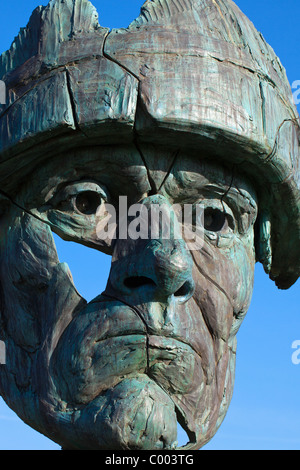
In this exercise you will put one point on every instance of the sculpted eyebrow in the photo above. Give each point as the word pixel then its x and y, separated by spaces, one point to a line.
pixel 230 194
pixel 241 200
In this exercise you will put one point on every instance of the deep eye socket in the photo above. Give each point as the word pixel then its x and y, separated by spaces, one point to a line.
pixel 87 202
pixel 215 220
pixel 79 198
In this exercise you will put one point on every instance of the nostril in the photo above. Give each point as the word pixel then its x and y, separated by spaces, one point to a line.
pixel 186 291
pixel 138 281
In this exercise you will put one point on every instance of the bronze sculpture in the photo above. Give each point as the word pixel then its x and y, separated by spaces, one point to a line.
pixel 119 111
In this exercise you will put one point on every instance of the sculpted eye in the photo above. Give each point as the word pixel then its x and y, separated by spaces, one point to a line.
pixel 80 198
pixel 87 202
pixel 215 220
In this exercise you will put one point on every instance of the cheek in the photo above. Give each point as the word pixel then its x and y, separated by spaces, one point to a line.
pixel 38 293
pixel 241 286
pixel 224 283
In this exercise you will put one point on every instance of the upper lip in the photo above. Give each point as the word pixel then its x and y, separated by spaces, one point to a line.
pixel 142 328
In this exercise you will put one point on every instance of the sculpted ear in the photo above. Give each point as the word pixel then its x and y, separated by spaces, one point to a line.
pixel 263 244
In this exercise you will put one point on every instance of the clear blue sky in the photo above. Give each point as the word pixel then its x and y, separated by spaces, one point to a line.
pixel 265 410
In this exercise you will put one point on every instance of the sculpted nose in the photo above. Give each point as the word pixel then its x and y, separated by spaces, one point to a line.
pixel 159 267
pixel 165 267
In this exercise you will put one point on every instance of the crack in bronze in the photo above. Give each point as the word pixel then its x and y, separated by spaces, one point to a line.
pixel 140 316
pixel 175 156
pixel 72 102
pixel 152 183
pixel 108 57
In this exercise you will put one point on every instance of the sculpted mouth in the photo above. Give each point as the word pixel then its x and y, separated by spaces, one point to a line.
pixel 169 362
pixel 108 343
pixel 162 351
pixel 110 339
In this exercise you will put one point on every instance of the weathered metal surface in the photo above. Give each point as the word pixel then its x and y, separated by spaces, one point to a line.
pixel 162 115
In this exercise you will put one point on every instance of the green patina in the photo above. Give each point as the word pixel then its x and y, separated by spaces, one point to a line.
pixel 187 106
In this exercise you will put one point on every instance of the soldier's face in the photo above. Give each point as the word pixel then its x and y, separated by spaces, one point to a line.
pixel 158 346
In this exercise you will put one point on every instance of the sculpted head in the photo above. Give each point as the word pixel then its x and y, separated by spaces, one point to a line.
pixel 108 142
